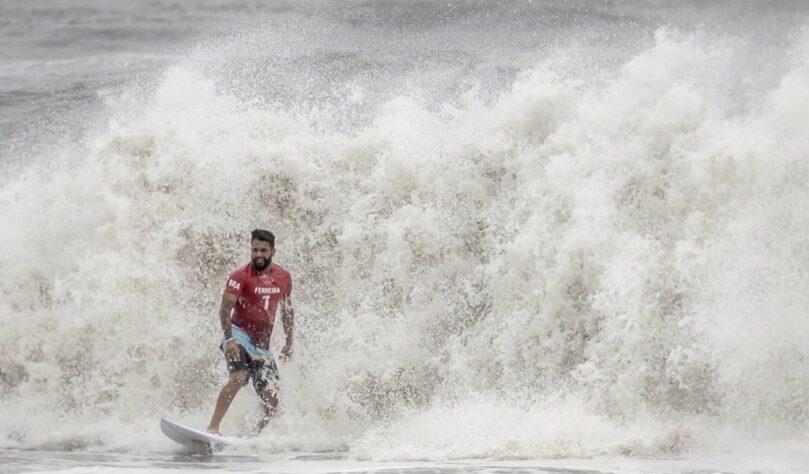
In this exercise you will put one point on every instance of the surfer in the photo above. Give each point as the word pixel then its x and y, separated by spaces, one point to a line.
pixel 252 295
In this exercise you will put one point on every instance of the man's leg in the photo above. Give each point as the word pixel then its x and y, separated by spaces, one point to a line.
pixel 269 401
pixel 265 381
pixel 226 396
pixel 239 373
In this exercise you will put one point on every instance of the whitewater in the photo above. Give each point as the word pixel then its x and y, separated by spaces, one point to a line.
pixel 524 236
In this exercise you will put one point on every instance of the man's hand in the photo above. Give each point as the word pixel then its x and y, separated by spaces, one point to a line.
pixel 286 354
pixel 232 350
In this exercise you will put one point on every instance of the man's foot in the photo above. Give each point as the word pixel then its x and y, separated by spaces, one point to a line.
pixel 262 422
pixel 214 430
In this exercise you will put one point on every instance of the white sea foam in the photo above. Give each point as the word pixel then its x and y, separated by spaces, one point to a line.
pixel 577 267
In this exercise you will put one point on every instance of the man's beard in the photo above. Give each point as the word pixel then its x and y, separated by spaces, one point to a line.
pixel 263 266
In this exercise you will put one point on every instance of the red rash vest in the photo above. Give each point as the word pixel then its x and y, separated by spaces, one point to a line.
pixel 259 294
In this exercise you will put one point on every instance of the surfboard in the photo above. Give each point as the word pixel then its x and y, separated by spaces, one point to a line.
pixel 198 441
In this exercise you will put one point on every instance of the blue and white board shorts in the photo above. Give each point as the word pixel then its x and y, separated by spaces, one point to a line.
pixel 257 362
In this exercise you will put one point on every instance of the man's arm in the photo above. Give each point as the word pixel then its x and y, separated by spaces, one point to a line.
pixel 225 308
pixel 288 318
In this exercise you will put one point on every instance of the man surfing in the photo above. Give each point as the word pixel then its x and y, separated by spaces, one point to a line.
pixel 252 295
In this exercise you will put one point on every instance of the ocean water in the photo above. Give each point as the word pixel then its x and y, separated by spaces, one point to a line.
pixel 525 236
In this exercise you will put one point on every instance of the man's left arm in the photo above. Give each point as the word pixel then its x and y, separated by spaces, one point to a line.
pixel 288 318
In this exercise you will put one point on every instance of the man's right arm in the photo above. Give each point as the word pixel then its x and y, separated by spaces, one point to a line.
pixel 225 308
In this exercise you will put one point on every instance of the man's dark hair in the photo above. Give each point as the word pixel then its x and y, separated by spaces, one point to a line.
pixel 264 236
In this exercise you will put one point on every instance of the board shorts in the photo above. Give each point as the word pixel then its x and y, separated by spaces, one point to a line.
pixel 259 363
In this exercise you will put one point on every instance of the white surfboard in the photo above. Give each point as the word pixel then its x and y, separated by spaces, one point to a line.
pixel 198 441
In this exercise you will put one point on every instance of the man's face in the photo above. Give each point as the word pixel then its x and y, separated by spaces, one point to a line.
pixel 261 254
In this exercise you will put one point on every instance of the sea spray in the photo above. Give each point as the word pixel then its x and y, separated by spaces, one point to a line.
pixel 576 266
